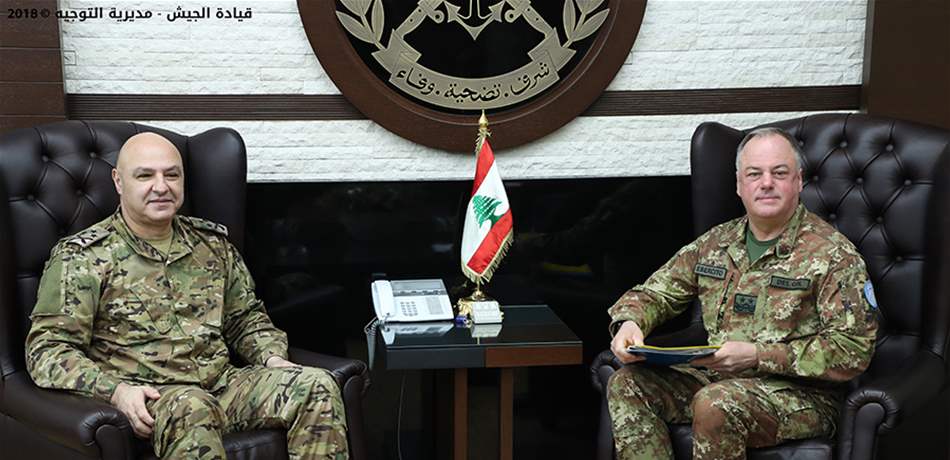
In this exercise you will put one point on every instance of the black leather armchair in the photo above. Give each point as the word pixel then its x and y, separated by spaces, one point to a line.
pixel 885 184
pixel 55 181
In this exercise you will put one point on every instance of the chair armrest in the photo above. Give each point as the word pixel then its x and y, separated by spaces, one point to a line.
pixel 880 405
pixel 86 425
pixel 343 369
pixel 604 365
pixel 353 377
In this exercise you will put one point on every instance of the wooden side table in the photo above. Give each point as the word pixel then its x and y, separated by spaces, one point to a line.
pixel 531 335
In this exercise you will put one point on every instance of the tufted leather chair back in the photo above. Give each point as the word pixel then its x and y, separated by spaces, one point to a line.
pixel 55 180
pixel 884 184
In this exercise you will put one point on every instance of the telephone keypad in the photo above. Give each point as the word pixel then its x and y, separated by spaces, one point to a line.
pixel 408 308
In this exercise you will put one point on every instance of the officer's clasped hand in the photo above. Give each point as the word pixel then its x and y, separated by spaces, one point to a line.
pixel 628 334
pixel 131 401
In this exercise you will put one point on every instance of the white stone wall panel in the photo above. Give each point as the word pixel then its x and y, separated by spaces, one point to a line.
pixel 692 44
pixel 360 150
pixel 681 45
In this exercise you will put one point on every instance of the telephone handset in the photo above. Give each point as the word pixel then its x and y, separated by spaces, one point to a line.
pixel 411 300
pixel 383 301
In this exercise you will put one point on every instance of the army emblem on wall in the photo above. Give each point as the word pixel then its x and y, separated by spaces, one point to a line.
pixel 424 69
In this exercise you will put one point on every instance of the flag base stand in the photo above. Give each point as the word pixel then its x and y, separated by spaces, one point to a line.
pixel 480 308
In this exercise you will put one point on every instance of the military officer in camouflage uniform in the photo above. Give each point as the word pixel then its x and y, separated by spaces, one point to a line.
pixel 784 295
pixel 141 309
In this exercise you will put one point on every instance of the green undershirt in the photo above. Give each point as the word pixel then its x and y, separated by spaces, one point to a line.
pixel 756 248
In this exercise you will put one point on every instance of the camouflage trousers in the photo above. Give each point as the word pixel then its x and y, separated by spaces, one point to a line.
pixel 305 401
pixel 727 414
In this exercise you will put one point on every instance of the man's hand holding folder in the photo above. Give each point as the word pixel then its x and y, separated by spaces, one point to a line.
pixel 731 357
pixel 628 334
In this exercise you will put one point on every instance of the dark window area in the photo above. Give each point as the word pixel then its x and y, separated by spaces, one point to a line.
pixel 314 248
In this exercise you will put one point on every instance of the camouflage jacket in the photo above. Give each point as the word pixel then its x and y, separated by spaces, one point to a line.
pixel 801 303
pixel 111 308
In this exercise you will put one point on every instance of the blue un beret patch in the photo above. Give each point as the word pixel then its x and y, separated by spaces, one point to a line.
pixel 869 294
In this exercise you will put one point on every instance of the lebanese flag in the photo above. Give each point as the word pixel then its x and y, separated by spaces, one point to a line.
pixel 488 225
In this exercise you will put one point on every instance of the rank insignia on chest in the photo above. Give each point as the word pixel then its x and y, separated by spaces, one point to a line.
pixel 710 270
pixel 744 303
pixel 801 284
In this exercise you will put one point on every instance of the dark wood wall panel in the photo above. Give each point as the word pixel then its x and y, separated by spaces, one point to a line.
pixel 734 100
pixel 907 60
pixel 31 65
pixel 9 122
pixel 216 107
pixel 29 32
pixel 31 68
pixel 335 107
pixel 44 99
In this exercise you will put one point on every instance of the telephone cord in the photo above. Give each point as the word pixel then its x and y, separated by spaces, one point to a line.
pixel 402 388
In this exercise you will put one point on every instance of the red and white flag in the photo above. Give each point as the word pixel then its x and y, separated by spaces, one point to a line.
pixel 488 228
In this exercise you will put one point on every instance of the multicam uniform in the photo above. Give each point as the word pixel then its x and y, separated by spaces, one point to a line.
pixel 111 308
pixel 800 303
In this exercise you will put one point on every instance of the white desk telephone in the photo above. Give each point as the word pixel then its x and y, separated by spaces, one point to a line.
pixel 411 300
pixel 407 301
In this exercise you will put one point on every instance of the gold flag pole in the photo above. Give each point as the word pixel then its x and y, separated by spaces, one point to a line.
pixel 489 308
pixel 483 133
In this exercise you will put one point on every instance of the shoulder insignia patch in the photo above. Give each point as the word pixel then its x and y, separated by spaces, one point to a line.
pixel 203 224
pixel 869 295
pixel 87 237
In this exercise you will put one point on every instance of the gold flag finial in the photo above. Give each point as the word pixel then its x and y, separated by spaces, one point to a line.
pixel 482 132
pixel 483 126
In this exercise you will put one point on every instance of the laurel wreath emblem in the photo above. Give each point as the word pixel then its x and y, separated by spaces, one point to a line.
pixel 369 32
pixel 579 28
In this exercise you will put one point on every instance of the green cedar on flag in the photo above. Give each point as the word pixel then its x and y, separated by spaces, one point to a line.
pixel 488 224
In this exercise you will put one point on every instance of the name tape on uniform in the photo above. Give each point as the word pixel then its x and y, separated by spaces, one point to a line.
pixel 801 284
pixel 710 270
